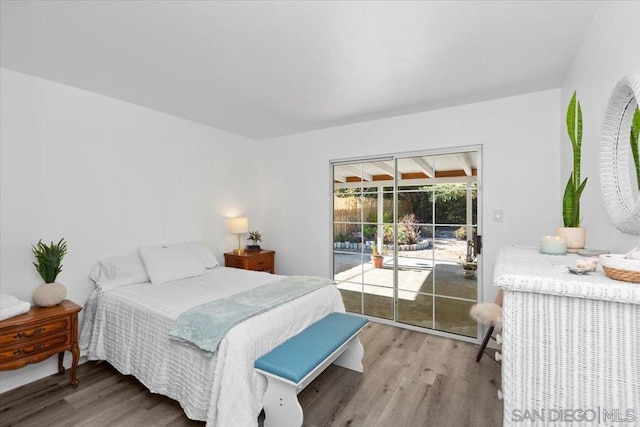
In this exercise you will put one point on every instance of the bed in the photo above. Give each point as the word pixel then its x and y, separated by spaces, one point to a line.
pixel 129 327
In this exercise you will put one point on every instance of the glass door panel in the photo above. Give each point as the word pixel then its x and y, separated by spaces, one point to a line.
pixel 421 214
pixel 452 316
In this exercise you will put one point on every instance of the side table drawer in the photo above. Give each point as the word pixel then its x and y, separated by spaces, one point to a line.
pixel 35 348
pixel 234 262
pixel 23 334
pixel 261 262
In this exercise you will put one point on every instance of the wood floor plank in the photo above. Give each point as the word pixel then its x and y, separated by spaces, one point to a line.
pixel 410 379
pixel 378 384
pixel 409 403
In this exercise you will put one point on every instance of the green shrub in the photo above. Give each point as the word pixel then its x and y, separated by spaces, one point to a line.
pixel 461 233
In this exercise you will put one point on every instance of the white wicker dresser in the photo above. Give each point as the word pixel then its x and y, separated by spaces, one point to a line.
pixel 571 344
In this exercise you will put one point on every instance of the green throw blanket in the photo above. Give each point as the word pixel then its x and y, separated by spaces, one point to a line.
pixel 205 325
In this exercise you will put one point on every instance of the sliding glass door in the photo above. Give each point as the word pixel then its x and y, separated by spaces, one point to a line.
pixel 419 213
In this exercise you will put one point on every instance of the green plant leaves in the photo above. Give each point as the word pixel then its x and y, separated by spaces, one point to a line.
pixel 573 190
pixel 633 139
pixel 49 259
pixel 571 120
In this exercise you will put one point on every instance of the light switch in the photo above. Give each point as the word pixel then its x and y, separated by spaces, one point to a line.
pixel 497 215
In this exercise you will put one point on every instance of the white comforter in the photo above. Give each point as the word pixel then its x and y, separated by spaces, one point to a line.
pixel 131 331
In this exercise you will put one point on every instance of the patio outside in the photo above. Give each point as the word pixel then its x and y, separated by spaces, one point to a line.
pixel 433 291
pixel 422 209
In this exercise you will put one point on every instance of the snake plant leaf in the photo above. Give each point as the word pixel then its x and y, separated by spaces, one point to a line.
pixel 579 125
pixel 571 120
pixel 576 209
pixel 568 204
pixel 633 139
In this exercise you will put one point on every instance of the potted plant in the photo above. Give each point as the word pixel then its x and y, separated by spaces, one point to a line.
pixel 49 264
pixel 376 257
pixel 469 264
pixel 255 237
pixel 572 232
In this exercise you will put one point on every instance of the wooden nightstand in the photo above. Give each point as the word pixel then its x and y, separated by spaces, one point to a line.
pixel 256 261
pixel 39 334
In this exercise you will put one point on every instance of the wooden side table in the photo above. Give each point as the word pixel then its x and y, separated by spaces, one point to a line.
pixel 39 334
pixel 257 261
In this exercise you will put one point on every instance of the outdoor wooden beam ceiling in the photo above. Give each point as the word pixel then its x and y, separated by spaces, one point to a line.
pixel 385 167
pixel 339 178
pixel 424 167
pixel 466 164
pixel 357 172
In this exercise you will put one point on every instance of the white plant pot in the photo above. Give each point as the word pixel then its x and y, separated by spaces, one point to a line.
pixel 49 294
pixel 575 236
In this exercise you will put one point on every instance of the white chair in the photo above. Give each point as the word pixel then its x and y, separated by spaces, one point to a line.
pixel 489 314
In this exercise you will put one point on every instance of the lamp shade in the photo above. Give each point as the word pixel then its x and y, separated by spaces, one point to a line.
pixel 238 225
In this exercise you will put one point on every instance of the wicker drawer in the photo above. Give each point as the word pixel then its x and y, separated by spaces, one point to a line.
pixel 38 347
pixel 261 262
pixel 25 333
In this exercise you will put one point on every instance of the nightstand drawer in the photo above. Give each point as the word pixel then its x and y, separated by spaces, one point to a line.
pixel 260 262
pixel 34 348
pixel 263 260
pixel 234 262
pixel 21 334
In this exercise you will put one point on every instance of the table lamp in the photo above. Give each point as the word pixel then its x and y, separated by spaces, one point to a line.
pixel 238 226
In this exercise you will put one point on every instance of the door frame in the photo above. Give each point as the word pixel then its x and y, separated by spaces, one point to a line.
pixel 480 267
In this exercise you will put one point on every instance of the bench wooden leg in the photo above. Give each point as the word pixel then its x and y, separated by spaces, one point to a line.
pixel 352 356
pixel 281 406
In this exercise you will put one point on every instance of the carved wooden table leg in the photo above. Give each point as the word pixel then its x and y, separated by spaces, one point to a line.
pixel 75 350
pixel 60 365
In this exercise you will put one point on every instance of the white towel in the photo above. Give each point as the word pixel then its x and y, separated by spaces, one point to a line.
pixel 14 310
pixel 7 300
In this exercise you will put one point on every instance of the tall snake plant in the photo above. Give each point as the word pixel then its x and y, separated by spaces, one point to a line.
pixel 635 131
pixel 573 191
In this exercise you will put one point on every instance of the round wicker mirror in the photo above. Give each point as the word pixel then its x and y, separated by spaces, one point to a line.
pixel 615 160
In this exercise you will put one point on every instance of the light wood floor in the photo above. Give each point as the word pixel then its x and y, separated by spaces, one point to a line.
pixel 410 379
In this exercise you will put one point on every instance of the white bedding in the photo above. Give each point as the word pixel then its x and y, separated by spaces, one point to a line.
pixel 131 332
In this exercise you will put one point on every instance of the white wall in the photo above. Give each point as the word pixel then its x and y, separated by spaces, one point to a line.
pixel 107 176
pixel 521 172
pixel 610 50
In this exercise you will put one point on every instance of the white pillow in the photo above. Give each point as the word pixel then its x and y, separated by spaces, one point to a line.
pixel 171 262
pixel 198 250
pixel 118 270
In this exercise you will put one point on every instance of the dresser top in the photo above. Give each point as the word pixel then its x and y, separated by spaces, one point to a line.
pixel 525 269
pixel 36 314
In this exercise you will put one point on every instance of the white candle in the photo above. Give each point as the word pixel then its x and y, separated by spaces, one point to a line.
pixel 553 245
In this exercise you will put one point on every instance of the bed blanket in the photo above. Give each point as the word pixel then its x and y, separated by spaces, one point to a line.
pixel 205 325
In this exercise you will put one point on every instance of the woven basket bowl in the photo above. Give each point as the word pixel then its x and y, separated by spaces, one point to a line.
pixel 618 268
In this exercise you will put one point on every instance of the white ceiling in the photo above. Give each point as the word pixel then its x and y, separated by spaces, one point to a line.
pixel 270 68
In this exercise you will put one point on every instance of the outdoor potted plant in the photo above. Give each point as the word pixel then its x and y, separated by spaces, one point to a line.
pixel 572 232
pixel 376 257
pixel 255 237
pixel 49 265
pixel 469 264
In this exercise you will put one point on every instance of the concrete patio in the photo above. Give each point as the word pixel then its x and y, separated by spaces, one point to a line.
pixel 429 291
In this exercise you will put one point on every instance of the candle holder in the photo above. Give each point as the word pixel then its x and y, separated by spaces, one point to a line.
pixel 553 245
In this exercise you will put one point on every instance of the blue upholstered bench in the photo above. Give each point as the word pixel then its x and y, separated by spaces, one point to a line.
pixel 292 365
